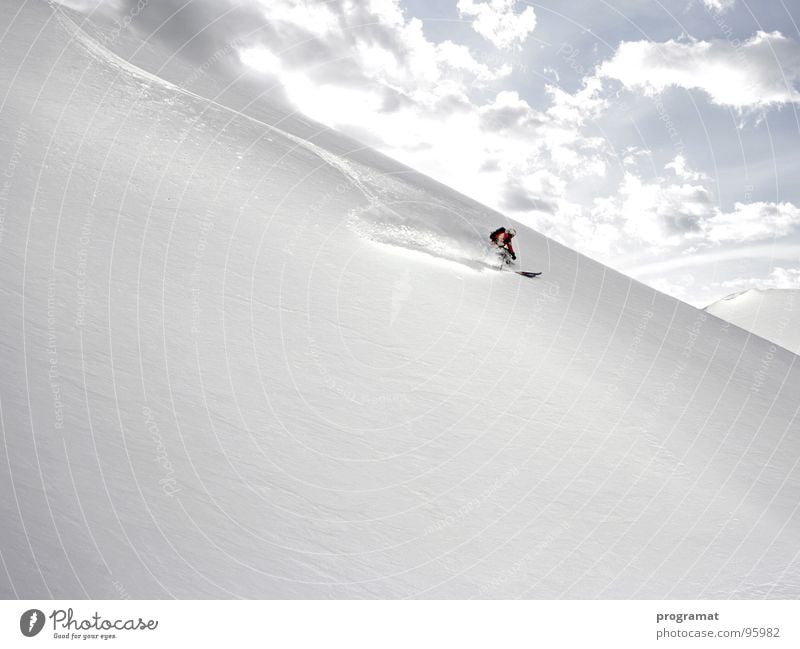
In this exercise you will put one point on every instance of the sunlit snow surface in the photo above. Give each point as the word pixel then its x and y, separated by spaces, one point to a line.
pixel 773 314
pixel 239 363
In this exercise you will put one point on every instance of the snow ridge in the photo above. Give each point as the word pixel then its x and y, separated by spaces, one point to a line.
pixel 773 314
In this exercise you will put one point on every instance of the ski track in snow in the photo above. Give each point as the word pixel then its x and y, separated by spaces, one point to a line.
pixel 384 225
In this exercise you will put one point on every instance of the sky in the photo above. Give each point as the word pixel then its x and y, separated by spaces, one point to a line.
pixel 658 137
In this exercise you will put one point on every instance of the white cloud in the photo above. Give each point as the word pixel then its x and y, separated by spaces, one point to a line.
pixel 785 278
pixel 656 212
pixel 579 107
pixel 719 5
pixel 632 156
pixel 753 222
pixel 458 57
pixel 535 154
pixel 759 72
pixel 370 48
pixel 535 191
pixel 679 167
pixel 497 21
pixel 779 277
pixel 379 78
pixel 316 18
pixel 508 112
pixel 262 60
pixel 663 213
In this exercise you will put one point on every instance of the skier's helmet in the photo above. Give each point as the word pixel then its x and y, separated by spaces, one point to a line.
pixel 512 232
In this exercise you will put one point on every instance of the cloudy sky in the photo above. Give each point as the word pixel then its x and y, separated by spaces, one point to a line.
pixel 658 137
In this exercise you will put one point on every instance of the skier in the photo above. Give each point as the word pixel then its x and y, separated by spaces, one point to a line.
pixel 502 239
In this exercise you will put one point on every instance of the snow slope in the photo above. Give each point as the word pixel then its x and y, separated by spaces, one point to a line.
pixel 243 358
pixel 773 314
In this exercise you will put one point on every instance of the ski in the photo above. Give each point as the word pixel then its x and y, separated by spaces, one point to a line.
pixel 527 273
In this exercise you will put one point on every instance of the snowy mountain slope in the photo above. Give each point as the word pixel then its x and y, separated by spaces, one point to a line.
pixel 773 314
pixel 237 364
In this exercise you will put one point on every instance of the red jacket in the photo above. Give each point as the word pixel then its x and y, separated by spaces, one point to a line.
pixel 503 240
